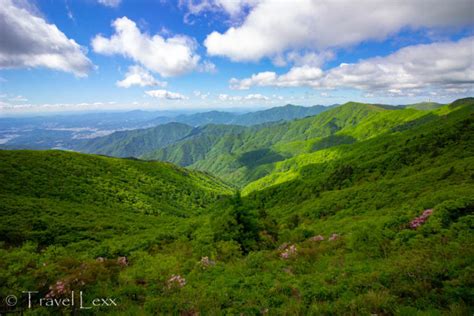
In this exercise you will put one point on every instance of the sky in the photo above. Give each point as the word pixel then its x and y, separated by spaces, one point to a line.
pixel 94 55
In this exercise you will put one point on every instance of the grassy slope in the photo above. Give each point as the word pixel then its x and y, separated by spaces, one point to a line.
pixel 381 125
pixel 424 106
pixel 147 187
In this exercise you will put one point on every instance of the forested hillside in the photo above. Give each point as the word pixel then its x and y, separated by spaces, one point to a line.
pixel 251 155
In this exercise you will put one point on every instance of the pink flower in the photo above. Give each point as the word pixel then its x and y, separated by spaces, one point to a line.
pixel 317 238
pixel 428 212
pixel 420 220
pixel 334 237
pixel 289 252
pixel 57 289
pixel 176 280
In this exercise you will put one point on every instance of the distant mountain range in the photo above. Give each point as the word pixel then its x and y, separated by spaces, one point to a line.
pixel 68 131
pixel 281 113
pixel 244 154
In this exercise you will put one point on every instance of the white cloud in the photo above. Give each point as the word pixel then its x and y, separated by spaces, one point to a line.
pixel 110 3
pixel 411 70
pixel 274 27
pixel 309 58
pixel 27 40
pixel 165 94
pixel 167 56
pixel 441 65
pixel 201 95
pixel 266 78
pixel 137 76
pixel 231 7
pixel 297 76
pixel 226 97
pixel 207 66
pixel 255 97
pixel 236 98
pixel 18 98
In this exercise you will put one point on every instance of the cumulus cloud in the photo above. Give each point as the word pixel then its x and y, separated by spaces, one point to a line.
pixel 138 76
pixel 165 94
pixel 167 56
pixel 297 76
pixel 444 65
pixel 110 3
pixel 274 27
pixel 27 40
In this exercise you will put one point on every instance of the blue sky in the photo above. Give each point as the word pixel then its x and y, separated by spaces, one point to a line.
pixel 64 55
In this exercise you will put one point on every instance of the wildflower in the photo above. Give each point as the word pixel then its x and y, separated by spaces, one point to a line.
pixel 59 288
pixel 289 252
pixel 334 237
pixel 176 280
pixel 317 238
pixel 420 220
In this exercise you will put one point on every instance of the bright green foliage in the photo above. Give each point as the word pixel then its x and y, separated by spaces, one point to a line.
pixel 249 154
pixel 137 186
pixel 424 106
pixel 62 210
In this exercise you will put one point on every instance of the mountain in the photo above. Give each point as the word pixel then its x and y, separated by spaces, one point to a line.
pixel 380 224
pixel 253 154
pixel 198 144
pixel 73 131
pixel 134 143
pixel 197 119
pixel 245 154
pixel 284 113
pixel 143 142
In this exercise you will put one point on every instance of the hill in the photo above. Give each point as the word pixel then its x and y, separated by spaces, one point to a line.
pixel 280 113
pixel 424 106
pixel 137 186
pixel 254 153
pixel 134 143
